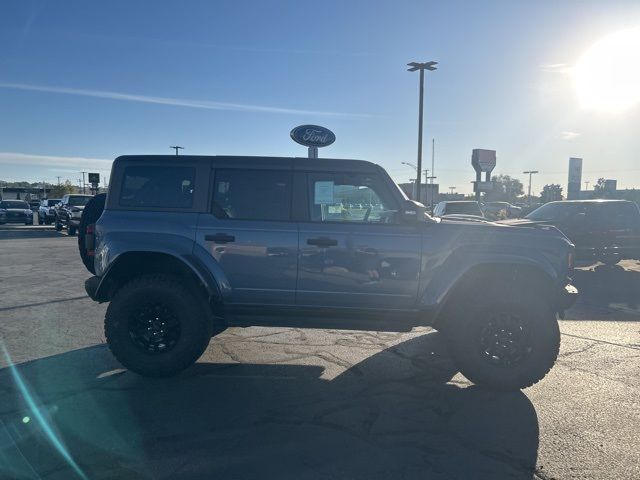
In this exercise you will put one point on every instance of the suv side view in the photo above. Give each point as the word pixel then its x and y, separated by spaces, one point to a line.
pixel 188 246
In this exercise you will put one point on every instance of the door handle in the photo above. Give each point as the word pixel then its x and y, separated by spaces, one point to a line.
pixel 322 242
pixel 220 238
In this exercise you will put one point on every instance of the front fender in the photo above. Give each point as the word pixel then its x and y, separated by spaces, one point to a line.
pixel 458 265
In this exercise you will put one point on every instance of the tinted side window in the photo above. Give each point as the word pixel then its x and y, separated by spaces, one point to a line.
pixel 252 194
pixel 360 198
pixel 156 186
pixel 617 215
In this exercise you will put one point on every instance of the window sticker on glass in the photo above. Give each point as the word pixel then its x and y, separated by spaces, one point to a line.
pixel 323 193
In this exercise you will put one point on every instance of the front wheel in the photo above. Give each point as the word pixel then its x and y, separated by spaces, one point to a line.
pixel 506 344
pixel 156 326
pixel 58 225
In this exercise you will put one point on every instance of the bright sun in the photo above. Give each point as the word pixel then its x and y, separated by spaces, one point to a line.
pixel 607 76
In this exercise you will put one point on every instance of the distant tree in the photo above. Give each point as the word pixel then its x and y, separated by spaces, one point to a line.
pixel 551 193
pixel 505 189
pixel 600 190
pixel 58 191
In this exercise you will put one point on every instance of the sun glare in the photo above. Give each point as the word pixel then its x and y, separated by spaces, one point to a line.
pixel 607 76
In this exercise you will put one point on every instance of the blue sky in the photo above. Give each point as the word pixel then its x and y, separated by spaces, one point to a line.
pixel 83 82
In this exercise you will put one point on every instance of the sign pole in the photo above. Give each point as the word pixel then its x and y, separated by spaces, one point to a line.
pixel 313 152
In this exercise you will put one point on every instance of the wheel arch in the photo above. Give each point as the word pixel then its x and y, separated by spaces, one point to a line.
pixel 509 277
pixel 131 264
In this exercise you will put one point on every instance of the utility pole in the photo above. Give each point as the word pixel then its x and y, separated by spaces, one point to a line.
pixel 530 172
pixel 422 67
pixel 586 185
pixel 451 189
pixel 58 180
pixel 83 184
pixel 176 148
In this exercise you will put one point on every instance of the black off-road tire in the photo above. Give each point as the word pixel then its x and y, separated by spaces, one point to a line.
pixel 71 230
pixel 58 225
pixel 161 293
pixel 468 338
pixel 91 213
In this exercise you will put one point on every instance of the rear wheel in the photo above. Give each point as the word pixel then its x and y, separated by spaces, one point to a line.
pixel 156 326
pixel 505 343
pixel 90 215
pixel 58 225
pixel 71 230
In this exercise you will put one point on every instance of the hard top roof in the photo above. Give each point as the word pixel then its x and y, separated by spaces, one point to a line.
pixel 296 163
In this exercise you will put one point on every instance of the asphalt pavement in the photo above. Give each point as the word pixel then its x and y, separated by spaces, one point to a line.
pixel 287 403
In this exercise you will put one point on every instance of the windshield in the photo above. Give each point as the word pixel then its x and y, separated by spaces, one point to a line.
pixel 14 204
pixel 78 201
pixel 52 201
pixel 466 208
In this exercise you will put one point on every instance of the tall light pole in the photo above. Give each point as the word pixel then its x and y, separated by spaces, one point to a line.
pixel 422 67
pixel 176 148
pixel 83 192
pixel 530 172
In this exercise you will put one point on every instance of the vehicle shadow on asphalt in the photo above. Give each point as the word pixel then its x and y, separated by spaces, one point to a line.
pixel 610 286
pixel 394 415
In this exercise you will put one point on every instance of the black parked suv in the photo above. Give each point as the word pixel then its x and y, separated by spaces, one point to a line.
pixel 602 230
pixel 187 246
pixel 15 211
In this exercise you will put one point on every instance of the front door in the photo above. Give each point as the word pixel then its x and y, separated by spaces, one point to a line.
pixel 353 250
pixel 250 234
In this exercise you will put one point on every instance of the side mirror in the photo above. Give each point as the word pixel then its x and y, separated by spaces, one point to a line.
pixel 412 212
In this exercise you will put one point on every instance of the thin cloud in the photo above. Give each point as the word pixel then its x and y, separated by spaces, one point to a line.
pixel 556 68
pixel 567 135
pixel 51 161
pixel 176 102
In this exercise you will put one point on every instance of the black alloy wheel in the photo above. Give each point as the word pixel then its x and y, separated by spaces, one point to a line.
pixel 504 341
pixel 154 328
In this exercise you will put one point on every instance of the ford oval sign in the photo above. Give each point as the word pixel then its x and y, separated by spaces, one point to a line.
pixel 313 136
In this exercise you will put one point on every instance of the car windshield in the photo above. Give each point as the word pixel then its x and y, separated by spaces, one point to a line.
pixel 14 204
pixel 52 201
pixel 465 208
pixel 78 201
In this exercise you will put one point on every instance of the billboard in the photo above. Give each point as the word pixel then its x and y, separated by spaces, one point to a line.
pixel 575 178
pixel 94 178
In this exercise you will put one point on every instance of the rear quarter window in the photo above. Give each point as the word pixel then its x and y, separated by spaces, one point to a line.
pixel 157 187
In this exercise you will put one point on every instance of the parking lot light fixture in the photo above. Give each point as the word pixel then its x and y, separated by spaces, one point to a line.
pixel 413 66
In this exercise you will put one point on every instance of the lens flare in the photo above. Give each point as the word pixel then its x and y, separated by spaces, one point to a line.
pixel 607 76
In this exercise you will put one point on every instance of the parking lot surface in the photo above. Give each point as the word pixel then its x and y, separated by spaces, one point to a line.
pixel 291 403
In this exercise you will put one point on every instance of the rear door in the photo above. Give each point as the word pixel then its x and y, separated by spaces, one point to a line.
pixel 249 231
pixel 354 252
